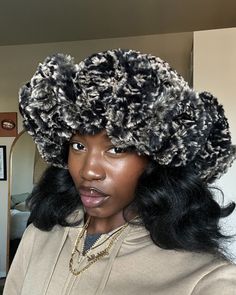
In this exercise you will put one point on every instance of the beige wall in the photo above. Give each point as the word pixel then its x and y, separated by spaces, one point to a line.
pixel 18 63
pixel 214 70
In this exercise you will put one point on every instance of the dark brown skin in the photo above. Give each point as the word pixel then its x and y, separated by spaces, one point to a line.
pixel 106 178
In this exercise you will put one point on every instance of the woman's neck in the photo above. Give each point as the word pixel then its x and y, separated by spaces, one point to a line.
pixel 104 225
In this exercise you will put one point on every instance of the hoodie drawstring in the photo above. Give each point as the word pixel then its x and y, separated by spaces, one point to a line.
pixel 112 257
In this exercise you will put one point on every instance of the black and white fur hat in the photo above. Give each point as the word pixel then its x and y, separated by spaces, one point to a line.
pixel 138 99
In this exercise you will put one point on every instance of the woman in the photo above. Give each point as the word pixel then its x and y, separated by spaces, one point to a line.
pixel 126 207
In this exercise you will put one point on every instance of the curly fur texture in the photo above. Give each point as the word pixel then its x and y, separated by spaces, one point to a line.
pixel 138 99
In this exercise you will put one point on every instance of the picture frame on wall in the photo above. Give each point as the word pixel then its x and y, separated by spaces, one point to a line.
pixel 8 124
pixel 3 163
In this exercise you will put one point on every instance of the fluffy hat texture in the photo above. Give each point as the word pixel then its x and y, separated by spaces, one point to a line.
pixel 138 99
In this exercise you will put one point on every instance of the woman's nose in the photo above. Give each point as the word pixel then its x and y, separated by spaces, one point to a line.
pixel 92 169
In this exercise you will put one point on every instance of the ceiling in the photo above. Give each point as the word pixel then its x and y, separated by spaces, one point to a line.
pixel 42 21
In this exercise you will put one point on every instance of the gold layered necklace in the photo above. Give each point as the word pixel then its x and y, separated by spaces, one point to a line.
pixel 91 258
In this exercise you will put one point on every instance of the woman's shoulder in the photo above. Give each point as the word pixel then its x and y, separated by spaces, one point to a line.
pixel 32 234
pixel 32 230
pixel 220 279
pixel 57 230
pixel 209 274
pixel 200 271
pixel 201 264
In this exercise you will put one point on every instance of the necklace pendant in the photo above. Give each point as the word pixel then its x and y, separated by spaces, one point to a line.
pixel 91 257
pixel 84 259
pixel 98 255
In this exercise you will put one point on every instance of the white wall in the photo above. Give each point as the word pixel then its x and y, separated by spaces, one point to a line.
pixel 18 63
pixel 214 70
pixel 22 165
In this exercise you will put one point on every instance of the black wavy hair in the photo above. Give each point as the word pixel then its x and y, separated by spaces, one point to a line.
pixel 175 206
pixel 180 211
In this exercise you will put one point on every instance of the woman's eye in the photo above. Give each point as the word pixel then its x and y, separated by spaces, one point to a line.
pixel 116 150
pixel 77 146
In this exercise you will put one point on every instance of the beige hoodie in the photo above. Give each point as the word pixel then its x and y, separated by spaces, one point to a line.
pixel 134 266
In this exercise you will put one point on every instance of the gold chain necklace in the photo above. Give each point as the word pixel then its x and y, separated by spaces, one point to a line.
pixel 93 257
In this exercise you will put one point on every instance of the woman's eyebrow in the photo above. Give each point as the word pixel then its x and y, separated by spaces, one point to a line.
pixel 75 137
pixel 80 137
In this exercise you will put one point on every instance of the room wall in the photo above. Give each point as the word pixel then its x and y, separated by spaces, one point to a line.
pixel 18 63
pixel 214 70
pixel 23 165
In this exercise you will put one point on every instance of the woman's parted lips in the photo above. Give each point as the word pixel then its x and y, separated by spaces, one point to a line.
pixel 92 197
pixel 92 192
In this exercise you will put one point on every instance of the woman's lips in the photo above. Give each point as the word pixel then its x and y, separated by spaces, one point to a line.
pixel 92 197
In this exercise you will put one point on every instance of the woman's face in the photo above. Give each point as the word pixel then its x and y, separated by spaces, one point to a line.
pixel 105 176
